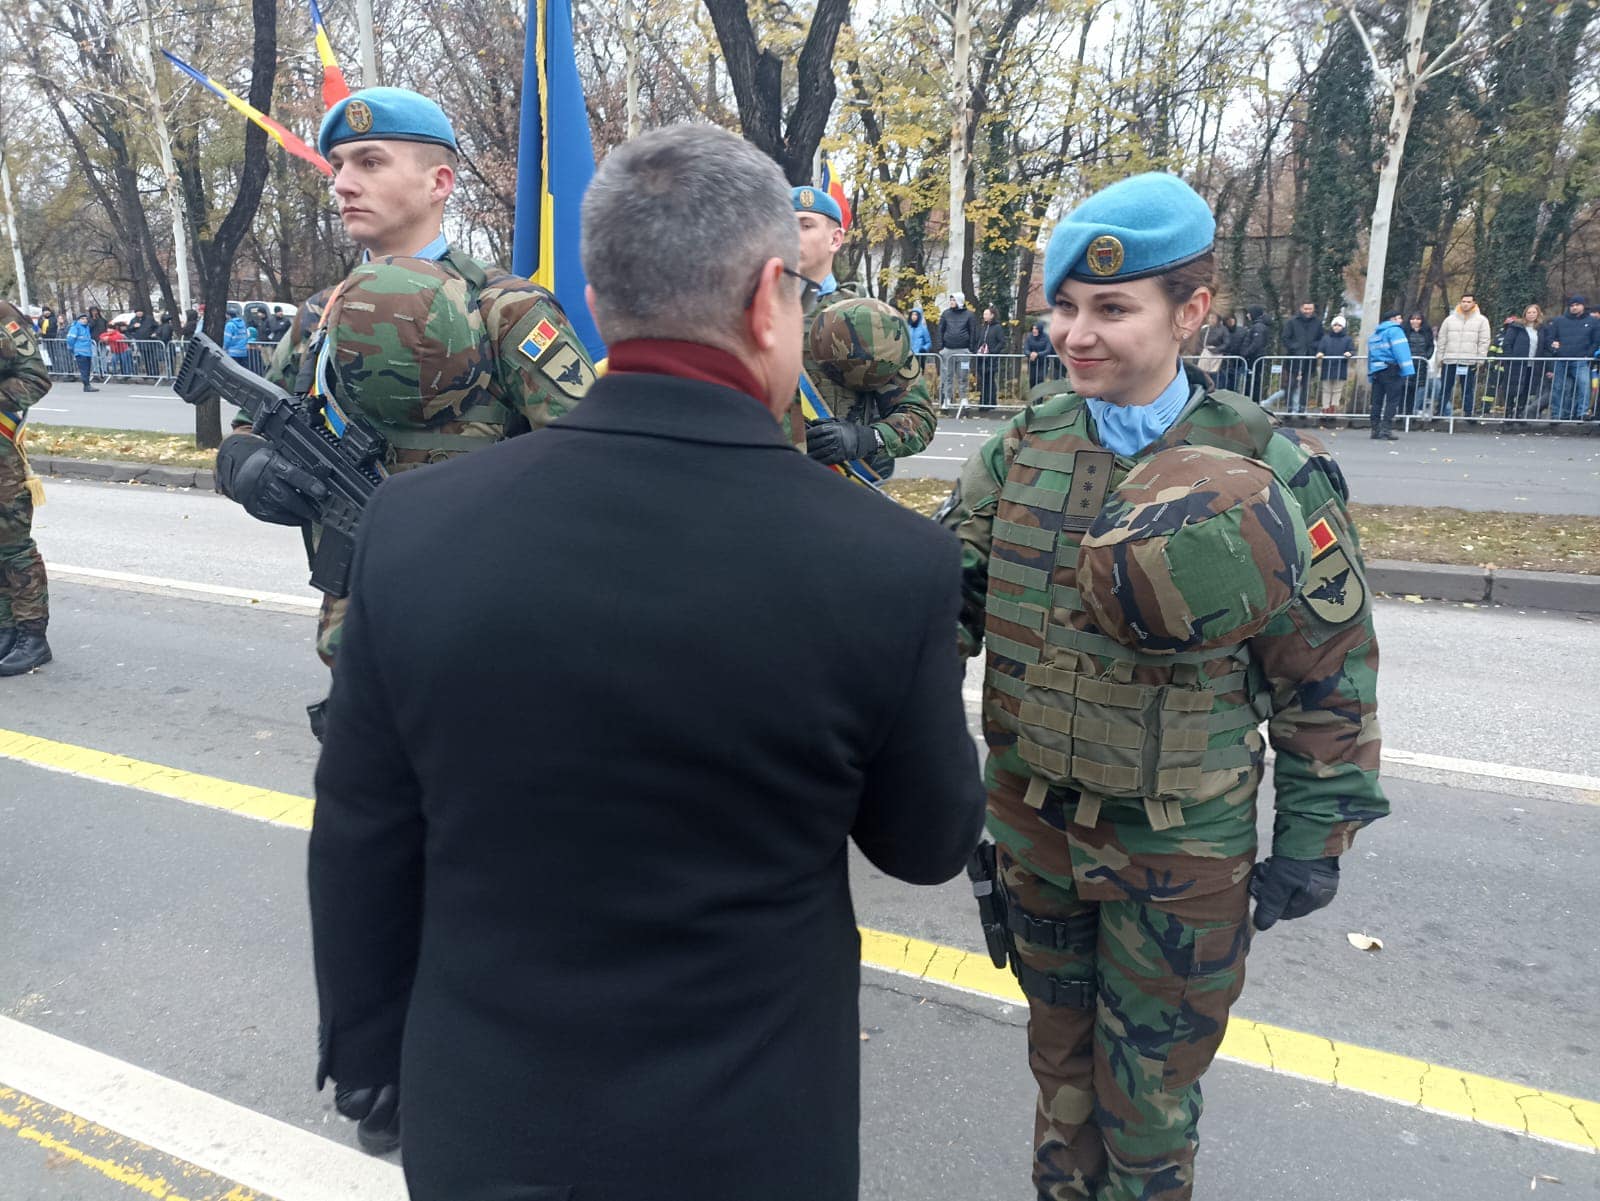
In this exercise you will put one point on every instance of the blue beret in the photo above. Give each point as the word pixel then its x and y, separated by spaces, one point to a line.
pixel 385 115
pixel 814 200
pixel 1139 227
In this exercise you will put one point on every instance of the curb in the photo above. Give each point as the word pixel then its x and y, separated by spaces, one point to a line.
pixel 117 471
pixel 1557 591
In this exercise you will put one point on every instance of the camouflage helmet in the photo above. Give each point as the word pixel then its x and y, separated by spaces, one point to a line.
pixel 1198 548
pixel 861 344
pixel 408 343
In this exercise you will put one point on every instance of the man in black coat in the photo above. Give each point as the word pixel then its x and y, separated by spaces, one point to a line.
pixel 1301 333
pixel 612 701
pixel 1252 345
pixel 958 339
pixel 1573 338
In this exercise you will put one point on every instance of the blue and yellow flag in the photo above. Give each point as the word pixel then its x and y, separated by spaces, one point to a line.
pixel 555 161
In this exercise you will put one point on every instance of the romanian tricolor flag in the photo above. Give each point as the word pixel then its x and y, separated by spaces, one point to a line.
pixel 276 131
pixel 334 88
pixel 834 188
pixel 555 161
pixel 10 423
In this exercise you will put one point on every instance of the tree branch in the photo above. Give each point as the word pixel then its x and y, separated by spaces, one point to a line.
pixel 1379 71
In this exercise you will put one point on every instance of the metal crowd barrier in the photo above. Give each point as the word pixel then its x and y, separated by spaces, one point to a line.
pixel 960 379
pixel 1487 389
pixel 143 361
pixel 1312 388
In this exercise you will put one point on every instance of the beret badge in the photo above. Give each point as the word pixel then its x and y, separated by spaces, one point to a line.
pixel 1104 255
pixel 358 116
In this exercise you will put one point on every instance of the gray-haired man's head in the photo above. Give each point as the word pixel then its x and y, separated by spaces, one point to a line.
pixel 677 224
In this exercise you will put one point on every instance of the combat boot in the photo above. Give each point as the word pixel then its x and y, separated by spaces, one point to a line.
pixel 8 639
pixel 28 651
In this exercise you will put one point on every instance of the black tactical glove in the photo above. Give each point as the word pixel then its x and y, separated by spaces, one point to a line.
pixel 268 486
pixel 1289 888
pixel 377 1110
pixel 830 442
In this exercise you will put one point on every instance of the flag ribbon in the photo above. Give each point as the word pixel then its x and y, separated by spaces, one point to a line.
pixel 334 88
pixel 814 408
pixel 277 132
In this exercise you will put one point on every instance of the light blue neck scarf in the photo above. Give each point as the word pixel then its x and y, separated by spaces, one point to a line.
pixel 1127 429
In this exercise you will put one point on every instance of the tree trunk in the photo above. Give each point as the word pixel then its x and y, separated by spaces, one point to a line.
pixel 1405 80
pixel 216 254
pixel 1383 205
pixel 960 148
pixel 169 172
pixel 11 231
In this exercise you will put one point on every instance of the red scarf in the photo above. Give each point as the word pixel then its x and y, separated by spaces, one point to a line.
pixel 686 360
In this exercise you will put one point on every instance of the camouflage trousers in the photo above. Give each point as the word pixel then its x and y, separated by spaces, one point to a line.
pixel 1119 1082
pixel 24 591
pixel 330 625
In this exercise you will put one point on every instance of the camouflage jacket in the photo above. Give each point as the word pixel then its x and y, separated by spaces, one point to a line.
pixel 528 357
pixel 284 367
pixel 23 376
pixel 1317 662
pixel 903 414
pixel 525 366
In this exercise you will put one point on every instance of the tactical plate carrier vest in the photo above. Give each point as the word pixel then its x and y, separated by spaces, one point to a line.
pixel 1088 713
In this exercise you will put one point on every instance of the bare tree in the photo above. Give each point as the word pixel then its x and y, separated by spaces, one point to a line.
pixel 1404 80
pixel 215 248
pixel 790 137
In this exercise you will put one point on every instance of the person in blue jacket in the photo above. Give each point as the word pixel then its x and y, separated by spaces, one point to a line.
pixel 1389 365
pixel 81 343
pixel 236 340
pixel 921 339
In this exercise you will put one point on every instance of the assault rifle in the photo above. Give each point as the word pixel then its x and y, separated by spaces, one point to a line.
pixel 349 467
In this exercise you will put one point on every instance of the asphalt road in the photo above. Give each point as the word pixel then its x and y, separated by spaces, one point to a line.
pixel 173 937
pixel 1480 470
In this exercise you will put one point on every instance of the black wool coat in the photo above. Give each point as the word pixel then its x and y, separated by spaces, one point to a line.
pixel 612 700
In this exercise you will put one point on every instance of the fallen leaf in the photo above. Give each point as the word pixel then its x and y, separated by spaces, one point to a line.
pixel 1365 942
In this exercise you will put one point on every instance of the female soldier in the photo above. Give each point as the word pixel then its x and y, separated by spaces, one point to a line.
pixel 1156 570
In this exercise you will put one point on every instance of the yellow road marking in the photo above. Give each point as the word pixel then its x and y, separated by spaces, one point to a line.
pixel 1498 1104
pixel 135 1165
pixel 263 804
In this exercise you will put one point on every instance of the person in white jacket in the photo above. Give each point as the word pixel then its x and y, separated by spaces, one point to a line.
pixel 1462 348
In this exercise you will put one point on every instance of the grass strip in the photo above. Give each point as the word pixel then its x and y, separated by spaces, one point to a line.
pixel 140 446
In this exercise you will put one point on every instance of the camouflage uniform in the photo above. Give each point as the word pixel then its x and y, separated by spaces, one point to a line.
pixel 1126 861
pixel 24 590
pixel 901 409
pixel 524 369
pixel 284 367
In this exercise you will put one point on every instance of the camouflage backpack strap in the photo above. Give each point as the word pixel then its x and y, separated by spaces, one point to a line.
pixel 1256 421
pixel 478 282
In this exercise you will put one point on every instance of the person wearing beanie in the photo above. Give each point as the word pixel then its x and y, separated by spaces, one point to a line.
pixel 1389 365
pixel 1252 346
pixel 1334 351
pixel 1574 337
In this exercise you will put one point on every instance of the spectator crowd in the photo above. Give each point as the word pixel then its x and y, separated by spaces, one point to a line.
pixel 139 344
pixel 1532 366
